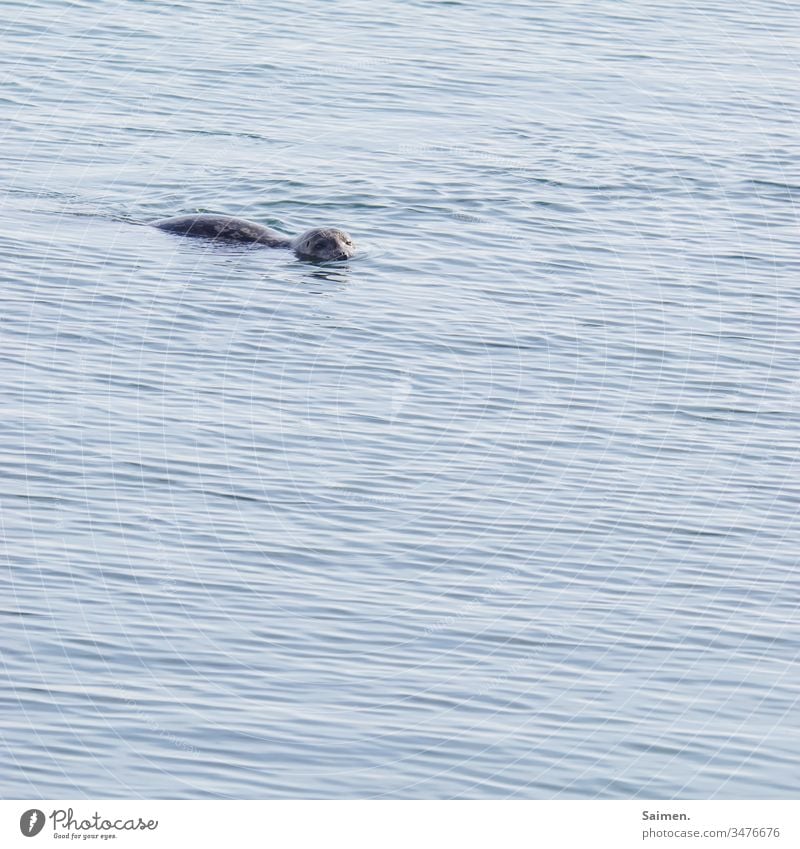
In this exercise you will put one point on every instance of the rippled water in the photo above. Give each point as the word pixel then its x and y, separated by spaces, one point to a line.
pixel 504 507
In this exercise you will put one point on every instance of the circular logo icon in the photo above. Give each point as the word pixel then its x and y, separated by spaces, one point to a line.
pixel 31 822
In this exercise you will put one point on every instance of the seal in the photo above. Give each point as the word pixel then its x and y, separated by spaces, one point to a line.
pixel 321 244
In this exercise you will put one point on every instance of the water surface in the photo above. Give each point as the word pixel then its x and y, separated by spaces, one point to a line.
pixel 505 507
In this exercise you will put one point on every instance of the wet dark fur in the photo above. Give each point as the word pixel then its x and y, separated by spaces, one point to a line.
pixel 320 244
pixel 223 227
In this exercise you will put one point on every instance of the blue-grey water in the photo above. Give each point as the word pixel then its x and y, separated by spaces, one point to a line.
pixel 504 507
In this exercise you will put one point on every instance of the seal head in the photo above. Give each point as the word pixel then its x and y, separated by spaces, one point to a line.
pixel 324 244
